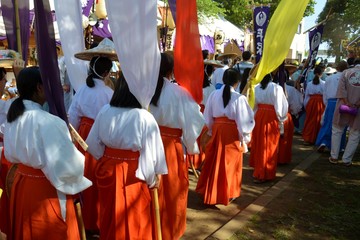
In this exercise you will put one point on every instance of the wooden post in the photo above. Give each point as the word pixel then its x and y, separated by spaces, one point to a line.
pixel 17 26
pixel 80 221
pixel 155 200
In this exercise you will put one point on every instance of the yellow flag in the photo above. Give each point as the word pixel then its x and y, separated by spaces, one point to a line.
pixel 1 192
pixel 278 38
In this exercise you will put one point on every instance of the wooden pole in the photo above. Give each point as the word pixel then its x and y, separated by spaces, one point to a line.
pixel 328 16
pixel 17 27
pixel 193 168
pixel 80 221
pixel 77 137
pixel 155 200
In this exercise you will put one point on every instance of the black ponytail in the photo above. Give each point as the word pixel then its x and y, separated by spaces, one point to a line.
pixel 166 67
pixel 26 82
pixel 317 72
pixel 264 83
pixel 230 78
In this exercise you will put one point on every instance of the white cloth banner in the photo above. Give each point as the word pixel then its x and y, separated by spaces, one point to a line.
pixel 69 19
pixel 134 29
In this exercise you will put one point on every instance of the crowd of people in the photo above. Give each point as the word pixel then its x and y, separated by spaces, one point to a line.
pixel 131 151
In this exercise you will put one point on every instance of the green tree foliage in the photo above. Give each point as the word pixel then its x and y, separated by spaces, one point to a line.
pixel 239 12
pixel 343 24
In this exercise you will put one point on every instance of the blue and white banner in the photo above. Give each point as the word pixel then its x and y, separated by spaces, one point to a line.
pixel 261 20
pixel 314 42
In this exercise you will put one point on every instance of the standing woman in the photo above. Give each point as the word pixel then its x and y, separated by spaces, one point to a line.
pixel 230 121
pixel 314 107
pixel 126 140
pixel 85 106
pixel 178 116
pixel 271 108
pixel 50 168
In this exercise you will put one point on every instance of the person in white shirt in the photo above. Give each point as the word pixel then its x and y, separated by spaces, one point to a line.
pixel 230 120
pixel 217 77
pixel 85 106
pixel 323 139
pixel 126 141
pixel 314 107
pixel 271 108
pixel 49 167
pixel 180 121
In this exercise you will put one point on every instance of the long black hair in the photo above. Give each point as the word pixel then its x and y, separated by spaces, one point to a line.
pixel 244 78
pixel 317 71
pixel 166 68
pixel 230 77
pixel 208 70
pixel 265 81
pixel 27 83
pixel 97 67
pixel 122 96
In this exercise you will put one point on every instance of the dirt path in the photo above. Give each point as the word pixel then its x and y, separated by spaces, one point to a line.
pixel 208 223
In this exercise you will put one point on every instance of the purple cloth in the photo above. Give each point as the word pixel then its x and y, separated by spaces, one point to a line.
pixel 46 46
pixel 87 8
pixel 101 29
pixel 348 110
pixel 7 8
pixel 8 13
pixel 207 43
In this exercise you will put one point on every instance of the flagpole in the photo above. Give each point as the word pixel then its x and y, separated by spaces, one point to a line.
pixel 17 26
pixel 328 16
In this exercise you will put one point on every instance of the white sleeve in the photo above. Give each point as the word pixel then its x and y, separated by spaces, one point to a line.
pixel 95 146
pixel 192 122
pixel 244 119
pixel 74 118
pixel 281 104
pixel 64 164
pixel 152 155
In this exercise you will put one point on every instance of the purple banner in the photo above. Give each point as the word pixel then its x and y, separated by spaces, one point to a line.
pixel 7 9
pixel 8 12
pixel 172 5
pixel 102 29
pixel 314 42
pixel 86 8
pixel 261 20
pixel 46 47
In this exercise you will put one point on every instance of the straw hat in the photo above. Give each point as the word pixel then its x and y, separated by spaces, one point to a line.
pixel 221 56
pixel 106 48
pixel 7 58
pixel 291 67
pixel 213 63
pixel 330 70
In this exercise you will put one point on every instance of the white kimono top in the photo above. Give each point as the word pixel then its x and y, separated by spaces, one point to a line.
pixel 129 129
pixel 206 93
pixel 330 87
pixel 295 99
pixel 87 102
pixel 177 109
pixel 217 76
pixel 41 140
pixel 312 89
pixel 237 109
pixel 274 95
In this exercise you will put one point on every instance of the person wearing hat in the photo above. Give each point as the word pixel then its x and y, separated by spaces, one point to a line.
pixel 50 170
pixel 329 71
pixel 323 139
pixel 125 139
pixel 217 77
pixel 180 121
pixel 85 106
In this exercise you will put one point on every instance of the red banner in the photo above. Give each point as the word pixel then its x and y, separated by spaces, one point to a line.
pixel 188 61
